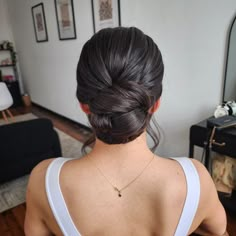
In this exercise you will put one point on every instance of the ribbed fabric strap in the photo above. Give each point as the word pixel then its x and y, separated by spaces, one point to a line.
pixel 56 199
pixel 192 197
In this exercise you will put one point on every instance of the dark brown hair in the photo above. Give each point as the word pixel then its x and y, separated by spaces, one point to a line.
pixel 119 76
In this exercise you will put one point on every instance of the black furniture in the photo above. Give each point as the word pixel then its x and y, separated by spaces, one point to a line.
pixel 14 90
pixel 199 136
pixel 24 144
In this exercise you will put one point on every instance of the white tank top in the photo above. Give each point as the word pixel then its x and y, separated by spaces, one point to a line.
pixel 66 224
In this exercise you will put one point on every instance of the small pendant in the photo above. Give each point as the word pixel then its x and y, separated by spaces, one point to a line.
pixel 117 190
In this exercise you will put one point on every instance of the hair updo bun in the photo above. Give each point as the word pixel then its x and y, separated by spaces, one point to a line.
pixel 119 76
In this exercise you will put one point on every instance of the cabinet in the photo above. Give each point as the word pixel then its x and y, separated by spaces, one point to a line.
pixel 9 74
pixel 15 93
pixel 199 136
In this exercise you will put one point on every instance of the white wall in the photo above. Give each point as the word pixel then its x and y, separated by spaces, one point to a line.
pixel 49 68
pixel 7 34
pixel 5 25
pixel 191 35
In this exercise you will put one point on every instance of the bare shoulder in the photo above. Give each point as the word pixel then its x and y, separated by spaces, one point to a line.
pixel 208 190
pixel 40 169
pixel 36 201
pixel 202 171
pixel 175 170
pixel 42 166
pixel 210 208
pixel 36 180
pixel 206 181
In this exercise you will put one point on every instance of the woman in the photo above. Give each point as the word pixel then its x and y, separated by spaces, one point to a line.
pixel 121 187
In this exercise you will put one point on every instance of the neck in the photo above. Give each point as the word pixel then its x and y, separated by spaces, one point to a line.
pixel 121 164
pixel 122 152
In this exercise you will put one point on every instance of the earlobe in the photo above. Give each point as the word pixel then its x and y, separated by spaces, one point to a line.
pixel 155 106
pixel 85 108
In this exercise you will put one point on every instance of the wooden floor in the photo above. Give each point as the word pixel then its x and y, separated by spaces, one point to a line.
pixel 12 221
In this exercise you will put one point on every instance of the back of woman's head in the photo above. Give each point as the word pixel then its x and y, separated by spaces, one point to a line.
pixel 119 77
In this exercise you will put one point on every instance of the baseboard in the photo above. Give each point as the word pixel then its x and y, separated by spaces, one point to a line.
pixel 63 117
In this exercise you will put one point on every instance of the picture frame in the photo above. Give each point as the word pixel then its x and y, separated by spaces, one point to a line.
pixel 65 19
pixel 106 13
pixel 39 21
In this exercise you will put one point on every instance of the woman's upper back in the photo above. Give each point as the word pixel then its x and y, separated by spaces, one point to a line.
pixel 151 206
pixel 119 84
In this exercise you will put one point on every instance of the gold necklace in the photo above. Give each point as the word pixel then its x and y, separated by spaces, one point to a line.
pixel 119 190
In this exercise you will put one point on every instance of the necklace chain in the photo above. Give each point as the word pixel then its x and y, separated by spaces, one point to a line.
pixel 119 190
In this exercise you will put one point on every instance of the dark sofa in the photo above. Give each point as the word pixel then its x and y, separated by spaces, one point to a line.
pixel 24 144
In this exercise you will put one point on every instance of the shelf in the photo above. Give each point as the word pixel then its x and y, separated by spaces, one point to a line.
pixel 6 50
pixel 9 83
pixel 10 65
pixel 9 62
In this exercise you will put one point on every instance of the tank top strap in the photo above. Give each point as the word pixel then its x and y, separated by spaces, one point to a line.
pixel 192 197
pixel 56 199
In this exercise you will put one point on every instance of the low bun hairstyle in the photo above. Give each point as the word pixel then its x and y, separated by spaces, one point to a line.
pixel 119 76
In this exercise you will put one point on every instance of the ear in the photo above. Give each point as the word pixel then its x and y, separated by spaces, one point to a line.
pixel 85 108
pixel 155 106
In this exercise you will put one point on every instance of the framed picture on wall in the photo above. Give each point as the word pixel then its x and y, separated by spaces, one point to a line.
pixel 106 13
pixel 65 19
pixel 39 21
